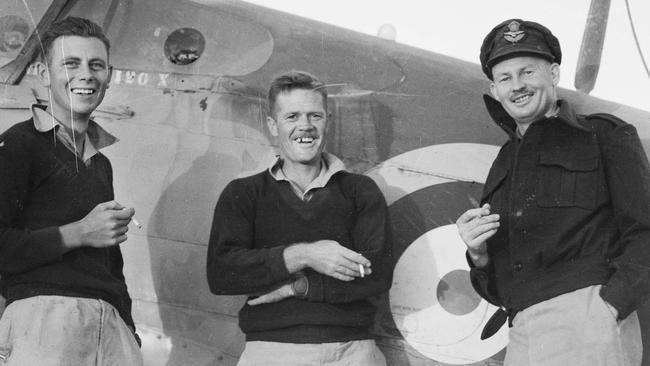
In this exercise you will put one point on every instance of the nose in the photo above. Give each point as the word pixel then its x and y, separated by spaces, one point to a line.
pixel 305 122
pixel 517 83
pixel 85 73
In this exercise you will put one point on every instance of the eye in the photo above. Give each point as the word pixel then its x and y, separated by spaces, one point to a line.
pixel 97 66
pixel 503 79
pixel 291 117
pixel 316 117
pixel 70 63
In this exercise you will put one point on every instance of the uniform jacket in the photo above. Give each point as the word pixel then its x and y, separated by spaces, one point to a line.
pixel 573 195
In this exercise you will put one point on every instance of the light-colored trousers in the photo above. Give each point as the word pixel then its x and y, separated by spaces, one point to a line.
pixel 578 329
pixel 352 353
pixel 65 331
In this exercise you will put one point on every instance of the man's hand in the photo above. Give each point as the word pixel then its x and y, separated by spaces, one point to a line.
pixel 106 225
pixel 475 226
pixel 327 257
pixel 279 294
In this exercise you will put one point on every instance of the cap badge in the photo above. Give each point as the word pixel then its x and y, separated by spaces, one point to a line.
pixel 514 35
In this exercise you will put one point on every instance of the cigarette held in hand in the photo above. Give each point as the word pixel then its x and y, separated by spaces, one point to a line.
pixel 136 223
pixel 362 271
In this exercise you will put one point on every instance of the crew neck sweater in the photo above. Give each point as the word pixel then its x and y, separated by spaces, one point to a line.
pixel 257 217
pixel 43 186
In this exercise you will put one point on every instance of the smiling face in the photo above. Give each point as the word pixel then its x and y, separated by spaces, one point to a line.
pixel 77 74
pixel 299 123
pixel 525 86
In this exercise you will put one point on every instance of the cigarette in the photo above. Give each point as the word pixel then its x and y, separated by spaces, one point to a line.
pixel 136 222
pixel 362 271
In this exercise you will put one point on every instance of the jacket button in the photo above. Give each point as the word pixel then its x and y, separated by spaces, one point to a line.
pixel 519 212
pixel 518 267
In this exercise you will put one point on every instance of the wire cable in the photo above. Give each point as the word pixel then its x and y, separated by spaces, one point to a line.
pixel 636 39
pixel 45 61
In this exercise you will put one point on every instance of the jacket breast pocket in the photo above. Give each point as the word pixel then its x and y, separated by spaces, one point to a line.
pixel 567 180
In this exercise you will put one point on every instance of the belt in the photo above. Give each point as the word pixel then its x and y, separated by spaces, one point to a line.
pixel 497 320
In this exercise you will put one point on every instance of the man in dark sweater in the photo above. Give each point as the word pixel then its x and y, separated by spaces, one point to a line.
pixel 562 239
pixel 306 240
pixel 60 262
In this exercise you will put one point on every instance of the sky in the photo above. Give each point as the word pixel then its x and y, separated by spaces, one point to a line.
pixel 456 28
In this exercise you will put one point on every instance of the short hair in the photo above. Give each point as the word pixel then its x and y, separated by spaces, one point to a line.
pixel 71 26
pixel 295 80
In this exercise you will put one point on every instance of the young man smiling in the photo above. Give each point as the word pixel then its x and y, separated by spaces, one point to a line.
pixel 562 241
pixel 306 240
pixel 60 262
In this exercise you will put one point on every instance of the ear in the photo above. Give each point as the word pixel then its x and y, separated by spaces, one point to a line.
pixel 493 91
pixel 555 73
pixel 328 117
pixel 110 76
pixel 273 126
pixel 43 73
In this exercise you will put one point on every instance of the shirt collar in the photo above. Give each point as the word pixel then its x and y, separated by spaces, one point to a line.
pixel 96 137
pixel 508 124
pixel 330 165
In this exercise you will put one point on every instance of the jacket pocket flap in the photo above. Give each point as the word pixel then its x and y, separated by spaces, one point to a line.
pixel 569 161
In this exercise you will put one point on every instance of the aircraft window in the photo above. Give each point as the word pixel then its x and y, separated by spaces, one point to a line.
pixel 184 46
pixel 18 20
pixel 153 35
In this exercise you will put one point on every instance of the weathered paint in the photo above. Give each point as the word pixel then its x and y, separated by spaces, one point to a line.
pixel 410 119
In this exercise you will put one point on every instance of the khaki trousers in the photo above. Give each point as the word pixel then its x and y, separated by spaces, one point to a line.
pixel 352 353
pixel 576 328
pixel 65 331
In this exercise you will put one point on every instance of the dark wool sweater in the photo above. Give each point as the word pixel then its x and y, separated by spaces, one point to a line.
pixel 40 190
pixel 257 217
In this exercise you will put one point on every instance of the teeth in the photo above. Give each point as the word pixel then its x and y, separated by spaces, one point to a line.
pixel 82 91
pixel 302 140
pixel 521 98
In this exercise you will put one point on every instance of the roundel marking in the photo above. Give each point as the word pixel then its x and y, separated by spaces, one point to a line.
pixel 431 300
pixel 455 293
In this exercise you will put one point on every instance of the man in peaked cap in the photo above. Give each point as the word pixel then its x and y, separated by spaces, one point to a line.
pixel 562 240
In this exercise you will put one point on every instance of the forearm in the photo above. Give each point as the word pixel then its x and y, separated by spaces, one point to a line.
pixel 483 281
pixel 324 288
pixel 296 257
pixel 372 238
pixel 76 235
pixel 628 180
pixel 327 289
pixel 235 266
pixel 245 271
pixel 70 237
pixel 629 284
pixel 480 260
pixel 23 250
